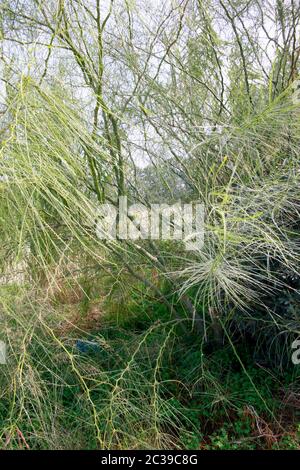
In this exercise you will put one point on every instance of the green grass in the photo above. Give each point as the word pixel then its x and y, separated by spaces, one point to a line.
pixel 146 386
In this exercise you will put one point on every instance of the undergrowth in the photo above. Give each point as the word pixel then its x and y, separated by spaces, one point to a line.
pixel 134 381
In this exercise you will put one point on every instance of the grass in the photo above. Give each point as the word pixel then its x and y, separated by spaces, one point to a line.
pixel 145 385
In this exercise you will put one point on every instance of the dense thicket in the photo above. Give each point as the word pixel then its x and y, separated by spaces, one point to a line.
pixel 184 100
